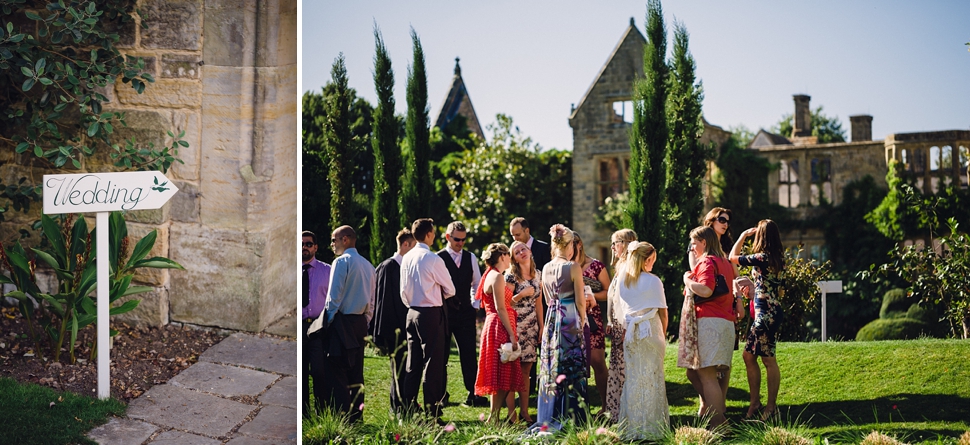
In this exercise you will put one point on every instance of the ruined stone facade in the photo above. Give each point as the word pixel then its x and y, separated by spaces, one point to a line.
pixel 225 75
pixel 601 125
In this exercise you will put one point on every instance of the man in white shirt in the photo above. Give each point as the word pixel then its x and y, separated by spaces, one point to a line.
pixel 462 318
pixel 425 284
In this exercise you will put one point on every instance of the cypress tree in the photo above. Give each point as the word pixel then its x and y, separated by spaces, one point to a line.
pixel 648 136
pixel 387 157
pixel 686 158
pixel 418 189
pixel 336 145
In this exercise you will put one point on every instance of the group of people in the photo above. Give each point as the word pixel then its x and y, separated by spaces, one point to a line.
pixel 541 305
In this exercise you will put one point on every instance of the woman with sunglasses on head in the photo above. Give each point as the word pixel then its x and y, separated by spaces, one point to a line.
pixel 598 279
pixel 718 219
pixel 614 325
pixel 527 290
pixel 768 261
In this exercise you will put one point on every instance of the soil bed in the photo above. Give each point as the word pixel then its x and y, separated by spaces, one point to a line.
pixel 142 357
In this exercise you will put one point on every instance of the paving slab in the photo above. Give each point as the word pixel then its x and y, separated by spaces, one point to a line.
pixel 267 353
pixel 282 393
pixel 284 327
pixel 224 380
pixel 122 432
pixel 272 422
pixel 173 437
pixel 247 440
pixel 189 410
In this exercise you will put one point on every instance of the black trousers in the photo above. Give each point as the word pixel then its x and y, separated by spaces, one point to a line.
pixel 426 358
pixel 306 372
pixel 399 373
pixel 338 371
pixel 461 326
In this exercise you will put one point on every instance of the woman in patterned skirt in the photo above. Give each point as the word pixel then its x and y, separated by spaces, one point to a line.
pixel 527 290
pixel 614 325
pixel 768 262
pixel 496 378
pixel 595 276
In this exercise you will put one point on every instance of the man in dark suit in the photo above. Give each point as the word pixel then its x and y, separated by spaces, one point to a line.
pixel 390 316
pixel 519 229
pixel 465 275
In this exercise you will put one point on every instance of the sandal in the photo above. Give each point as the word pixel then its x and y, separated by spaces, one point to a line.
pixel 769 413
pixel 753 412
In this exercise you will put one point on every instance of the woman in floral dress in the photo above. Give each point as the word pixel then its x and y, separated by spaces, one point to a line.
pixel 524 279
pixel 614 325
pixel 595 276
pixel 496 378
pixel 768 262
pixel 562 372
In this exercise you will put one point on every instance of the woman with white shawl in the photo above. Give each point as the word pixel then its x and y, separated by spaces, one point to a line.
pixel 643 308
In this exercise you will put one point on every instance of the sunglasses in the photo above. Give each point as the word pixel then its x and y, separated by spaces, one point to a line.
pixel 723 220
pixel 309 244
pixel 458 240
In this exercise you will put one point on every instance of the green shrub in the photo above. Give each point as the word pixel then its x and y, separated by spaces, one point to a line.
pixel 925 314
pixel 893 329
pixel 895 302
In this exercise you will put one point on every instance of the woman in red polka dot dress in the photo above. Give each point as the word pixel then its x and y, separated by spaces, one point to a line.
pixel 494 377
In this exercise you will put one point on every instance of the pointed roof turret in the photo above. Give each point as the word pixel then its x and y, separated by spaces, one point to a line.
pixel 457 102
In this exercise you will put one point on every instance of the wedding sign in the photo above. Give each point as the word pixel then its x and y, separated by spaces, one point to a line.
pixel 106 192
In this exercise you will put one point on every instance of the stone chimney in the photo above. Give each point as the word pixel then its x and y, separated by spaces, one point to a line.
pixel 861 127
pixel 802 121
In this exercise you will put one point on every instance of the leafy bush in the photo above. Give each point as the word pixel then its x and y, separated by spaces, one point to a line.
pixel 59 314
pixel 895 303
pixel 800 294
pixel 893 329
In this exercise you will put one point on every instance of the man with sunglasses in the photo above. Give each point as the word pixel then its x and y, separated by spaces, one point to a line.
pixel 337 335
pixel 465 275
pixel 316 281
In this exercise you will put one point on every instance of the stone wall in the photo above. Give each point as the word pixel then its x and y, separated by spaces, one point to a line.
pixel 225 75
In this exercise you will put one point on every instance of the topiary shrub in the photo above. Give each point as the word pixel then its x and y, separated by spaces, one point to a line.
pixel 893 329
pixel 895 303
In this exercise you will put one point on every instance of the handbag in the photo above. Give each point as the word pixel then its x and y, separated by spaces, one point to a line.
pixel 720 286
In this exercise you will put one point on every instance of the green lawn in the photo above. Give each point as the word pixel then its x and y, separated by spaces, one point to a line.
pixel 918 390
pixel 34 414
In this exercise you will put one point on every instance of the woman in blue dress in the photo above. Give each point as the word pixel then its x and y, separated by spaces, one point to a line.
pixel 562 373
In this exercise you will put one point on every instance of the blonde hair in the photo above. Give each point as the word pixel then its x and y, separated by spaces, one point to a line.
pixel 625 236
pixel 560 236
pixel 713 246
pixel 579 249
pixel 641 251
pixel 493 252
pixel 515 269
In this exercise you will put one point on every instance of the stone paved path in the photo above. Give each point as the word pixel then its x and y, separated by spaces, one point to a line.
pixel 242 391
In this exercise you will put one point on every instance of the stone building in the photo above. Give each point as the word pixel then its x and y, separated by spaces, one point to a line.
pixel 601 149
pixel 458 103
pixel 225 75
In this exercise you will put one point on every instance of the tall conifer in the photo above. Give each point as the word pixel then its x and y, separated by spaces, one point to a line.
pixel 385 218
pixel 417 190
pixel 648 137
pixel 336 144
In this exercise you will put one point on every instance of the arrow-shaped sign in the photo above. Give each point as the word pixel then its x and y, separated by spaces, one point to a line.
pixel 106 192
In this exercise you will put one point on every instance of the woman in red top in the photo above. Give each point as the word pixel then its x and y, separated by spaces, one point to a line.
pixel 494 377
pixel 715 323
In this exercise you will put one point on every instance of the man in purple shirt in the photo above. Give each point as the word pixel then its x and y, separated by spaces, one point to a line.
pixel 316 279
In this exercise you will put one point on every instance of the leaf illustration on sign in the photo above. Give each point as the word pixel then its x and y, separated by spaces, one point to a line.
pixel 160 187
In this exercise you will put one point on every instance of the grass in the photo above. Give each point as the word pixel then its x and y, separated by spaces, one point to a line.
pixel 916 390
pixel 34 414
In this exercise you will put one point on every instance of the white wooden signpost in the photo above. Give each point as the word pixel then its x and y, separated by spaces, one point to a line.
pixel 826 287
pixel 103 193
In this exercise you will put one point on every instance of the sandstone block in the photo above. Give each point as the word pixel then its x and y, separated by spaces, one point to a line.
pixel 185 203
pixel 230 30
pixel 147 127
pixel 191 123
pixel 172 24
pixel 156 277
pixel 152 309
pixel 181 66
pixel 164 93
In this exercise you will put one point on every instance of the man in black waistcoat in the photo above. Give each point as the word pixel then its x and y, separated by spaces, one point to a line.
pixel 465 274
pixel 388 327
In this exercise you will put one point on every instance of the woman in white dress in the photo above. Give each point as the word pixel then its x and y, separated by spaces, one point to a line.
pixel 642 307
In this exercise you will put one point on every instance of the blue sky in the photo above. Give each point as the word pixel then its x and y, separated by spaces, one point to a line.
pixel 903 62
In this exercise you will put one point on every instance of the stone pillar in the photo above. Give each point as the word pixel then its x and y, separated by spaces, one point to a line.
pixel 237 238
pixel 802 120
pixel 861 127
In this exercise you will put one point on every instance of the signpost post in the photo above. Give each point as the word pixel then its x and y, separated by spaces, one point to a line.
pixel 825 287
pixel 103 193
